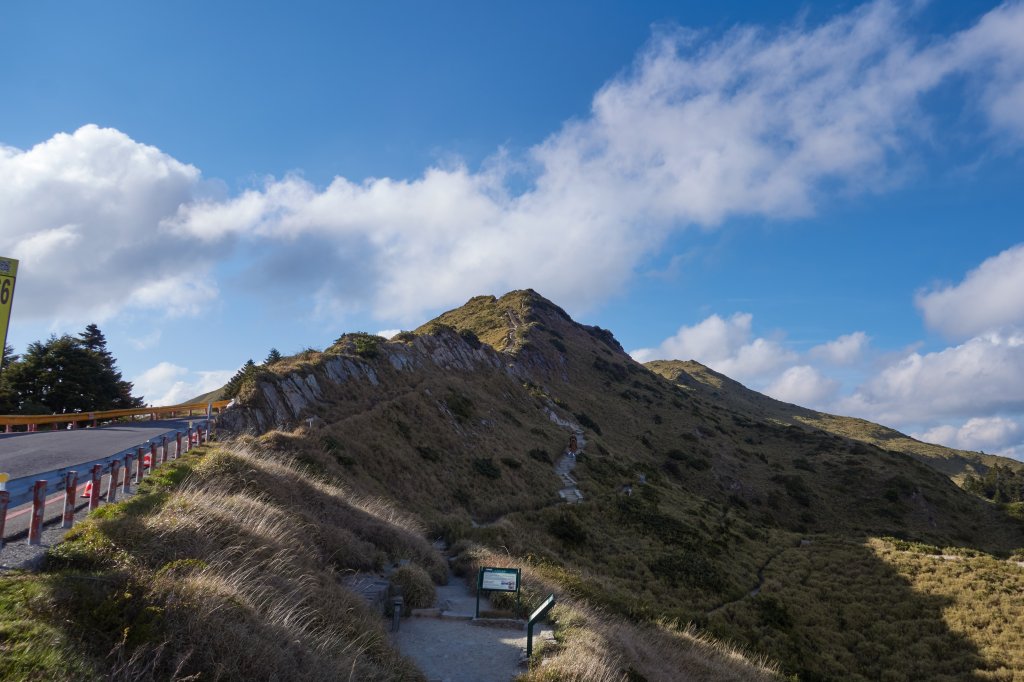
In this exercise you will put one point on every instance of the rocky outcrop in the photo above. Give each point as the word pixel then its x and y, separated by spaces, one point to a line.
pixel 284 401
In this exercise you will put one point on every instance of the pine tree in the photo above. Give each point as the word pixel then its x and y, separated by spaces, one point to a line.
pixel 65 374
pixel 114 391
pixel 235 382
pixel 273 356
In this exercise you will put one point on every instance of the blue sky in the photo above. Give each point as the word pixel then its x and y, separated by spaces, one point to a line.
pixel 820 200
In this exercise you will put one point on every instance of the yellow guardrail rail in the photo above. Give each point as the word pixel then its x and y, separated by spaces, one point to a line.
pixel 34 420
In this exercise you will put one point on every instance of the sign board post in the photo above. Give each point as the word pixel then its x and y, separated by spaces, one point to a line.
pixel 496 580
pixel 8 273
pixel 534 617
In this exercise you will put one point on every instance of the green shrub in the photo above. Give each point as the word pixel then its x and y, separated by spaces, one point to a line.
pixel 568 529
pixel 460 406
pixel 588 423
pixel 540 455
pixel 428 453
pixel 485 466
pixel 415 586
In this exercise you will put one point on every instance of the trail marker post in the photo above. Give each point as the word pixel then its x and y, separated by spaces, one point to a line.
pixel 534 617
pixel 497 580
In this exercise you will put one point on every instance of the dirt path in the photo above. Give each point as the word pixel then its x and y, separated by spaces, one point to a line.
pixel 451 647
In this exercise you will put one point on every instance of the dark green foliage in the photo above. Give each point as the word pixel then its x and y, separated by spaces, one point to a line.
pixel 460 406
pixel 803 463
pixel 65 374
pixel 540 455
pixel 588 423
pixel 273 356
pixel 689 569
pixel 485 466
pixel 558 345
pixel 470 337
pixel 428 453
pixel 249 372
pixel 795 487
pixel 693 460
pixel 999 484
pixel 367 345
pixel 511 463
pixel 604 336
pixel 773 613
pixel 612 370
pixel 567 528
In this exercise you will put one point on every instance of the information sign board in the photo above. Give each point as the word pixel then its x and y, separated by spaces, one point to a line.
pixel 8 273
pixel 499 579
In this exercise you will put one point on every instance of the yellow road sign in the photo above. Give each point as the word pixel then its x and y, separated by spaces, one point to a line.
pixel 8 273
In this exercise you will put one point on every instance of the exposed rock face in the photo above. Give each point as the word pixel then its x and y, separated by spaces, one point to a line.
pixel 285 401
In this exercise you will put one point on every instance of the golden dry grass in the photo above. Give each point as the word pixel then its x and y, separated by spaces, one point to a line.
pixel 235 575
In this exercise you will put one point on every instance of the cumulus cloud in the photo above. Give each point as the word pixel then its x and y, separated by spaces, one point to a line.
pixel 996 435
pixel 990 297
pixel 845 350
pixel 725 345
pixel 169 384
pixel 803 385
pixel 981 375
pixel 81 213
pixel 700 129
pixel 753 123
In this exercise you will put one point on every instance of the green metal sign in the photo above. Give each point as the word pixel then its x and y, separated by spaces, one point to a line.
pixel 8 273
pixel 495 579
pixel 499 579
pixel 534 617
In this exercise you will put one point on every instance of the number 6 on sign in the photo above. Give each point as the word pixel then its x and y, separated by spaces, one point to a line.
pixel 8 273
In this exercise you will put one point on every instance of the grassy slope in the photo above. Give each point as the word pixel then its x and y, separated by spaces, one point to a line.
pixel 227 567
pixel 729 494
pixel 727 489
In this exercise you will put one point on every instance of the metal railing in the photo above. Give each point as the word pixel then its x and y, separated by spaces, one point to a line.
pixel 124 468
pixel 73 419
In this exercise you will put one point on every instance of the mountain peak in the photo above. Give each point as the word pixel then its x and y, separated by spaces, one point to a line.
pixel 510 322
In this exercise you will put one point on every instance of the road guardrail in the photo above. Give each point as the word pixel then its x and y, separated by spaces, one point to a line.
pixel 123 468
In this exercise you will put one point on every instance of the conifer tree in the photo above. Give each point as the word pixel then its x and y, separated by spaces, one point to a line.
pixel 273 356
pixel 235 382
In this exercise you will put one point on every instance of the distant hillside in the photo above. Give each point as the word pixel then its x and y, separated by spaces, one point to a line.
pixel 950 461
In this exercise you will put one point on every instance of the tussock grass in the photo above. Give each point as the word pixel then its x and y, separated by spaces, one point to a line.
pixel 595 645
pixel 233 574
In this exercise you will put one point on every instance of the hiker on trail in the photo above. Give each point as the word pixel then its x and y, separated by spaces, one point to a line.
pixel 572 446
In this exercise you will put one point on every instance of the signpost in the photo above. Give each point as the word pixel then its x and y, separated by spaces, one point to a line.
pixel 496 580
pixel 8 273
pixel 534 617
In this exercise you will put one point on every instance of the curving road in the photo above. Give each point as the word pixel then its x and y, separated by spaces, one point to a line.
pixel 24 454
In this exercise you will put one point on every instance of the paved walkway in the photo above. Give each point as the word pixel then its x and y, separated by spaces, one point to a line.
pixel 451 647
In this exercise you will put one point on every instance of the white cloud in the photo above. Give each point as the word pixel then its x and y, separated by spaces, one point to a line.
pixel 80 211
pixel 981 375
pixel 803 385
pixel 724 345
pixel 845 350
pixel 169 384
pixel 996 435
pixel 388 333
pixel 754 123
pixel 990 297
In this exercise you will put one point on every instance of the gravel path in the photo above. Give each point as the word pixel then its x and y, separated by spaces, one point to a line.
pixel 455 648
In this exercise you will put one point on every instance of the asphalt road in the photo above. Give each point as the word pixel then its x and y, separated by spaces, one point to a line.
pixel 24 454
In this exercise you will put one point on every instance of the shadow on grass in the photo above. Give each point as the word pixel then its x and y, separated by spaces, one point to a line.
pixel 835 610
